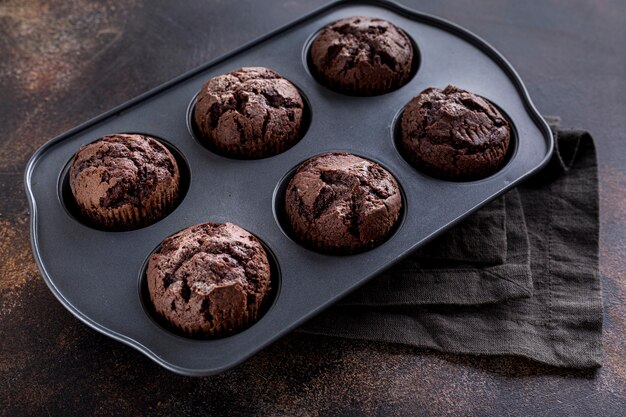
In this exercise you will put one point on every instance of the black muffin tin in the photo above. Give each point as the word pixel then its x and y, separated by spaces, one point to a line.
pixel 99 276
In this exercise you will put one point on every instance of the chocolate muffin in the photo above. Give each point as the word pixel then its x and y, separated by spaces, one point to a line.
pixel 249 113
pixel 362 56
pixel 453 134
pixel 209 280
pixel 340 203
pixel 123 181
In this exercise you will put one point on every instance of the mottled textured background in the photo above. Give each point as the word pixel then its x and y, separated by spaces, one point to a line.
pixel 64 62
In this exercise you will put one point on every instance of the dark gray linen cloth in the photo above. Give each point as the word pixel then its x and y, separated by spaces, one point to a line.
pixel 519 277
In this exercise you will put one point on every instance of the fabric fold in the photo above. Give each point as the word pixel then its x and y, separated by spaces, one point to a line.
pixel 556 316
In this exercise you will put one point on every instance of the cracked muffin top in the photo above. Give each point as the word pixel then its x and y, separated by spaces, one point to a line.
pixel 362 56
pixel 249 113
pixel 454 134
pixel 209 280
pixel 340 203
pixel 124 181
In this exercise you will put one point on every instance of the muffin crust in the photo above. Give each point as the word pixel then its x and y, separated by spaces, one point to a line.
pixel 340 203
pixel 209 280
pixel 249 113
pixel 362 56
pixel 124 181
pixel 454 134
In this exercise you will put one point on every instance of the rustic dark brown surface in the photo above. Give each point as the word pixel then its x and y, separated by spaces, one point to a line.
pixel 64 62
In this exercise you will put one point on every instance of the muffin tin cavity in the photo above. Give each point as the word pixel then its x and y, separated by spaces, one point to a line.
pixel 196 134
pixel 396 137
pixel 310 67
pixel 149 310
pixel 281 217
pixel 71 207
